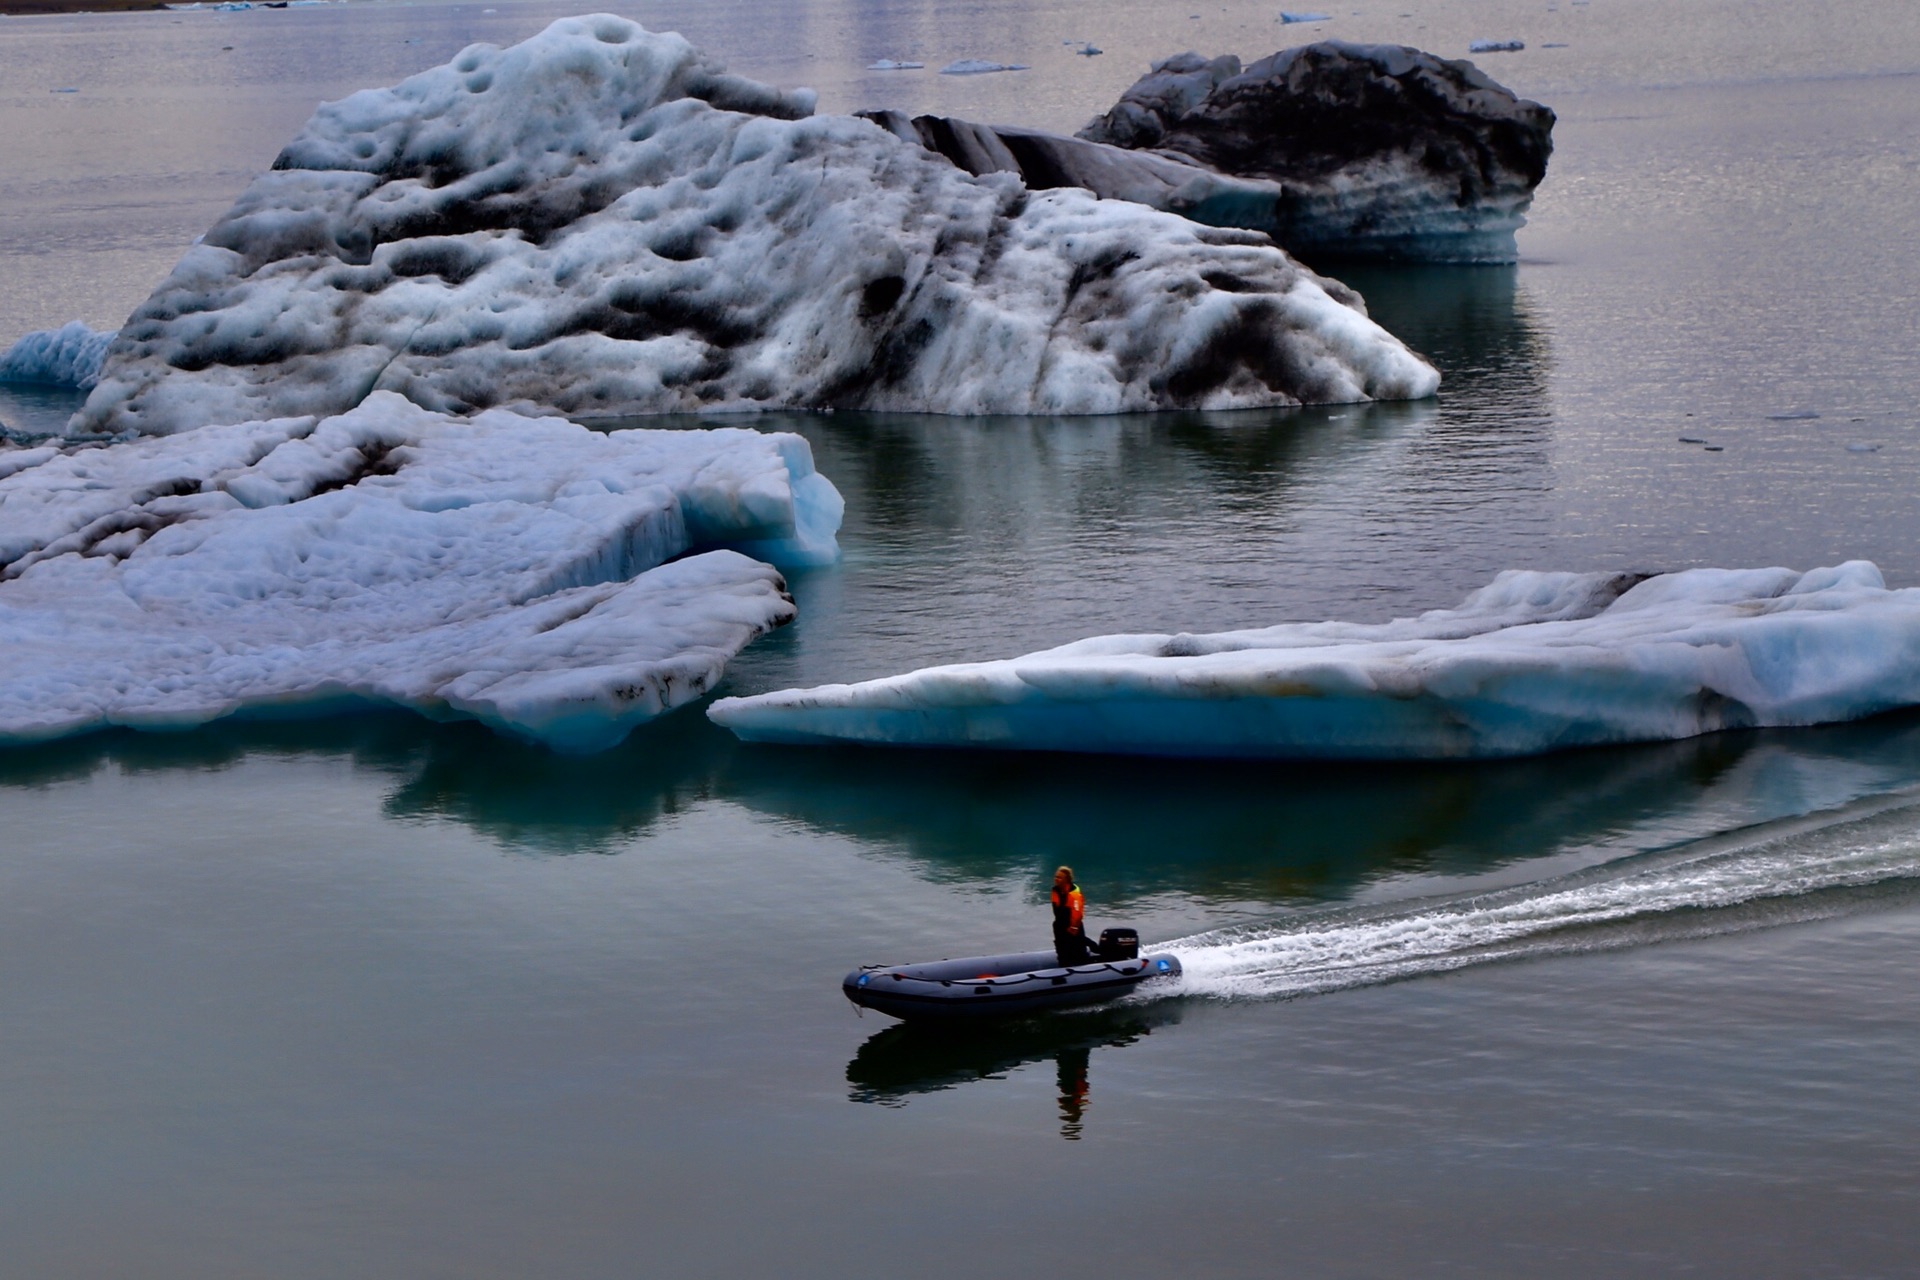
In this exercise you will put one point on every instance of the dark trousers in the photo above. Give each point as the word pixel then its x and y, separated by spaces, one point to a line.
pixel 1071 948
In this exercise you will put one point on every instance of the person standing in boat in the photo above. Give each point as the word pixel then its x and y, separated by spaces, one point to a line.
pixel 1069 922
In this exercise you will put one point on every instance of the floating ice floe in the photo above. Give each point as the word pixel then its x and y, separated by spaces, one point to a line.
pixel 69 356
pixel 889 64
pixel 600 221
pixel 527 573
pixel 1533 662
pixel 979 67
pixel 1366 150
pixel 1290 18
pixel 1496 46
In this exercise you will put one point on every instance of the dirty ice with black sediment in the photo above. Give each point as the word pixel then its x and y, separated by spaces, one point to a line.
pixel 600 220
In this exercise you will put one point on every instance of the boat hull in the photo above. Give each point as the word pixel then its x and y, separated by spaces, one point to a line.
pixel 978 987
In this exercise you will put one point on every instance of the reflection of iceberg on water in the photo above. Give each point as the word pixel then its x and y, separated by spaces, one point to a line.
pixel 1533 662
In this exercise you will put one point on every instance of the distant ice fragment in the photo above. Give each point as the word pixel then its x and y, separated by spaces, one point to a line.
pixel 978 67
pixel 69 356
pixel 1863 446
pixel 1533 662
pixel 889 64
pixel 1496 46
pixel 1291 18
pixel 556 583
pixel 1793 415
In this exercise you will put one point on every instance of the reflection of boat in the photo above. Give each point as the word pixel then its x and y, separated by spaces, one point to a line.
pixel 1003 986
pixel 914 1058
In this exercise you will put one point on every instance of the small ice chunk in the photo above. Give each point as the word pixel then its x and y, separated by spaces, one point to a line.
pixel 1793 415
pixel 1863 446
pixel 1496 46
pixel 69 356
pixel 889 64
pixel 1290 18
pixel 979 67
pixel 1691 440
pixel 1532 662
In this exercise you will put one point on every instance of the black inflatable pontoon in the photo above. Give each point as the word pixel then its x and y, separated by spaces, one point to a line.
pixel 1003 986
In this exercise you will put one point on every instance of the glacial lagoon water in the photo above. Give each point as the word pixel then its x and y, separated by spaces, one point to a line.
pixel 381 997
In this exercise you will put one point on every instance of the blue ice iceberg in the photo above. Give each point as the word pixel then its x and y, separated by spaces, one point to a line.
pixel 556 583
pixel 1532 662
pixel 69 356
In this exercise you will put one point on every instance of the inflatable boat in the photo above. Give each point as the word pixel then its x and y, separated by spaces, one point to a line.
pixel 1006 986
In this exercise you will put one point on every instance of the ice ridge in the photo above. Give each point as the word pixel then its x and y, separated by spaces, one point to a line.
pixel 1533 662
pixel 600 221
pixel 559 584
pixel 69 356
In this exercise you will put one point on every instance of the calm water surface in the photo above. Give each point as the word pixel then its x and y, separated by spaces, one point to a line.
pixel 378 997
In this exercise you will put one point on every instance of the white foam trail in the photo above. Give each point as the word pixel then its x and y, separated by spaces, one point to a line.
pixel 1796 869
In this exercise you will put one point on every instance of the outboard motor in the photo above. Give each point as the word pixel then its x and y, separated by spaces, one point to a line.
pixel 1118 944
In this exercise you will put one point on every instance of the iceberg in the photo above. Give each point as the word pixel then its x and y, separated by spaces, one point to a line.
pixel 69 356
pixel 1383 151
pixel 1533 662
pixel 556 583
pixel 601 221
pixel 1496 46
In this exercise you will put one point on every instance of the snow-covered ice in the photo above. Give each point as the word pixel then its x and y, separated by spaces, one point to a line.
pixel 69 356
pixel 519 571
pixel 600 221
pixel 1533 662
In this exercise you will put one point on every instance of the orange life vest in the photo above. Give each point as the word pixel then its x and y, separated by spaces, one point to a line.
pixel 1073 908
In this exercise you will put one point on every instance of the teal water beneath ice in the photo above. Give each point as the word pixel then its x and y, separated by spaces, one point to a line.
pixel 378 997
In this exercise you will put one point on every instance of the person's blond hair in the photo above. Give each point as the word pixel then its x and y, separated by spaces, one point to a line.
pixel 1067 870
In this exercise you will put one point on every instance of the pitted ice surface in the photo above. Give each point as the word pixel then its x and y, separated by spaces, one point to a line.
pixel 599 221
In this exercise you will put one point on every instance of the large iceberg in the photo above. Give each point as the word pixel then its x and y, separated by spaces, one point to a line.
pixel 69 356
pixel 600 221
pixel 1532 662
pixel 554 582
pixel 1377 151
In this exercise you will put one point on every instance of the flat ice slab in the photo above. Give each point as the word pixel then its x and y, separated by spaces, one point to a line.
pixel 600 221
pixel 1533 662
pixel 517 571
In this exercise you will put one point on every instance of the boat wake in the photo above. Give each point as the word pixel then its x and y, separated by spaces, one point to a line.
pixel 1787 871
